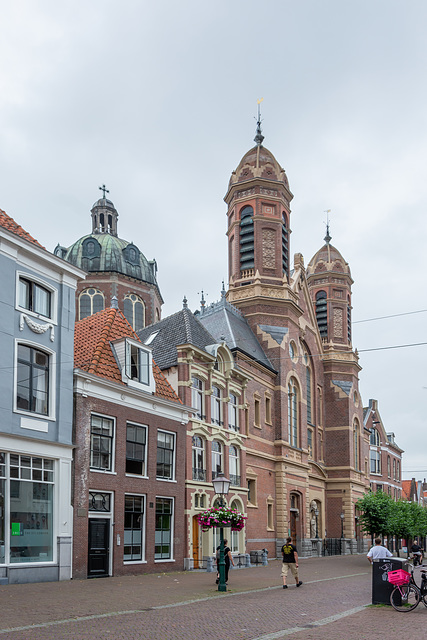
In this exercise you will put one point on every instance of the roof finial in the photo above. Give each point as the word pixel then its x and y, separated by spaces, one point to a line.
pixel 258 136
pixel 184 303
pixel 202 302
pixel 327 238
pixel 223 290
pixel 104 190
pixel 114 302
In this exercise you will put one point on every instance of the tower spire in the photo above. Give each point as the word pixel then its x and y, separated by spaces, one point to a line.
pixel 328 237
pixel 258 136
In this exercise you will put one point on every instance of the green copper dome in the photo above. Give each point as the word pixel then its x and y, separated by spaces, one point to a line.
pixel 104 251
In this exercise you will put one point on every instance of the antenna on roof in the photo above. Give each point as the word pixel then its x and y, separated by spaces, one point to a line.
pixel 328 237
pixel 258 136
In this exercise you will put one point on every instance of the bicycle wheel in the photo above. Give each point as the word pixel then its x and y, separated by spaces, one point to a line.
pixel 405 598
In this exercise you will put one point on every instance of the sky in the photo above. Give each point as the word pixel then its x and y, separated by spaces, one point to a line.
pixel 157 100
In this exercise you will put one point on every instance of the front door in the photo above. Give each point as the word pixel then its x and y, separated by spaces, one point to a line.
pixel 196 544
pixel 99 543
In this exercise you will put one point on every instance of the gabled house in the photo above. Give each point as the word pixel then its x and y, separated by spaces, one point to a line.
pixel 385 456
pixel 203 373
pixel 129 466
pixel 36 405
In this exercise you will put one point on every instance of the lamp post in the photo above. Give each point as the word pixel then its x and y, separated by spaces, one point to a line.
pixel 221 485
pixel 342 525
pixel 316 513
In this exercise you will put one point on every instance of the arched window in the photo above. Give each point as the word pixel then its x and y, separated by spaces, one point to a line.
pixel 322 313
pixel 198 452
pixel 134 311
pixel 233 413
pixel 394 469
pixel 388 467
pixel 293 418
pixel 375 437
pixel 247 238
pixel 398 471
pixel 234 542
pixel 308 384
pixel 356 445
pixel 234 466
pixel 216 416
pixel 216 459
pixel 197 397
pixel 90 301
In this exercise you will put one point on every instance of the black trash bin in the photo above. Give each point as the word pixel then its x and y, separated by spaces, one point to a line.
pixel 381 587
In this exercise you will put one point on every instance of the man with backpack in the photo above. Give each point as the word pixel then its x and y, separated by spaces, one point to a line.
pixel 290 561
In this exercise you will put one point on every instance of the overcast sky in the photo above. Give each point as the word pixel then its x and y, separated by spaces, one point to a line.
pixel 157 100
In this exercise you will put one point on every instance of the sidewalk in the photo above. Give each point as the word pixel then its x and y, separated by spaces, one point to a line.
pixel 187 606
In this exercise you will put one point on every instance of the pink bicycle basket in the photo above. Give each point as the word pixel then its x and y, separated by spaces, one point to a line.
pixel 398 577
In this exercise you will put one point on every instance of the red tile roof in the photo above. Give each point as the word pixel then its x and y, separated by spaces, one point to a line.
pixel 9 224
pixel 93 352
pixel 406 489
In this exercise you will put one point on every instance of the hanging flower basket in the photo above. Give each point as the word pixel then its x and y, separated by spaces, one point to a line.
pixel 222 517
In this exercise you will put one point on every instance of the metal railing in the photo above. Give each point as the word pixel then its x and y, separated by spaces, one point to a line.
pixel 199 474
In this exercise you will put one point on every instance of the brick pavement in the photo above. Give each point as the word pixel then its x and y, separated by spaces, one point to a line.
pixel 187 605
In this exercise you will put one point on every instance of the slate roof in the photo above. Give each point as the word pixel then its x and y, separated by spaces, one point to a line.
pixel 180 328
pixel 93 352
pixel 9 224
pixel 345 385
pixel 226 323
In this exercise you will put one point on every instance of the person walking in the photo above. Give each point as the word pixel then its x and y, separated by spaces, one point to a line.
pixel 228 560
pixel 290 561
pixel 378 552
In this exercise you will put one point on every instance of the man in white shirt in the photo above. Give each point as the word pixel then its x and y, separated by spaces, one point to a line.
pixel 378 551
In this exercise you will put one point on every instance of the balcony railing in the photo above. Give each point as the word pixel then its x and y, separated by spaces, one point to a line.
pixel 199 474
pixel 234 480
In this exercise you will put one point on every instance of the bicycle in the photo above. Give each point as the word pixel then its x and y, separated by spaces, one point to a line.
pixel 406 594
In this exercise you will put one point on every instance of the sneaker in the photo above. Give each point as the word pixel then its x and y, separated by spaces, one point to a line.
pixel 299 583
pixel 285 586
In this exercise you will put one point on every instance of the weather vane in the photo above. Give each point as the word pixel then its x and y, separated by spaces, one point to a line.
pixel 327 238
pixel 104 190
pixel 258 136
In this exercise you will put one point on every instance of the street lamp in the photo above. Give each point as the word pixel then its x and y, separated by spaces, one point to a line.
pixel 316 513
pixel 342 525
pixel 221 485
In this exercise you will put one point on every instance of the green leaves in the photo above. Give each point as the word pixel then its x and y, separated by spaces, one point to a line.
pixel 381 515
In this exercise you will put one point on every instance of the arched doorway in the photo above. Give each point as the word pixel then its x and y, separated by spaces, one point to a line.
pixel 197 561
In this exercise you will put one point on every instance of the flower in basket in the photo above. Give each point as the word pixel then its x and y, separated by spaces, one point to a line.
pixel 222 517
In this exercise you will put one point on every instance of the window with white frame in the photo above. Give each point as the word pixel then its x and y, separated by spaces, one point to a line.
pixel 375 458
pixel 90 301
pixel 34 297
pixel 394 469
pixel 164 529
pixel 233 422
pixel 197 397
pixel 32 379
pixel 198 454
pixel 134 311
pixel 234 466
pixel 165 455
pixel 137 363
pixel 234 541
pixel 133 544
pixel 216 458
pixel 216 406
pixel 101 443
pixel 136 440
pixel 375 437
pixel 30 502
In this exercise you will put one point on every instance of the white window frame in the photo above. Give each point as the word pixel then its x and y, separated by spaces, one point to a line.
pixel 172 530
pixel 143 530
pixel 217 454
pixel 198 398
pixel 216 408
pixel 113 444
pixel 51 414
pixel 130 423
pixel 236 464
pixel 42 283
pixel 173 474
pixel 233 412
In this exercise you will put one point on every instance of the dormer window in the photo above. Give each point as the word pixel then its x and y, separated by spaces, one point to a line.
pixel 137 363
